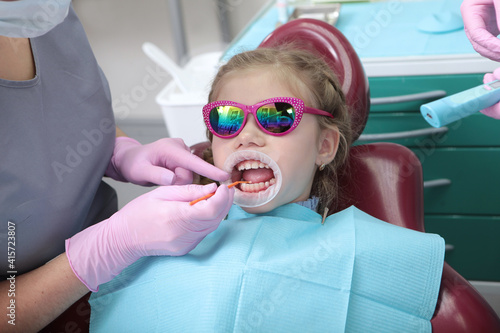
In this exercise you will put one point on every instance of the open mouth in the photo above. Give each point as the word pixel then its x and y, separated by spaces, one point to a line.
pixel 259 169
pixel 259 174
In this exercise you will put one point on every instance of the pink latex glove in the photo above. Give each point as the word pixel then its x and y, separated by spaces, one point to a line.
pixel 163 162
pixel 492 111
pixel 160 222
pixel 481 23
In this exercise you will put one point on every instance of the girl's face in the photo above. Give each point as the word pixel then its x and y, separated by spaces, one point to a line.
pixel 297 154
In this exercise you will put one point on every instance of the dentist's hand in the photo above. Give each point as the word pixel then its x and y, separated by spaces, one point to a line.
pixel 481 23
pixel 492 111
pixel 163 162
pixel 160 222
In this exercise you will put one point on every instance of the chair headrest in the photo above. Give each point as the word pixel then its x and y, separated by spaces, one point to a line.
pixel 327 42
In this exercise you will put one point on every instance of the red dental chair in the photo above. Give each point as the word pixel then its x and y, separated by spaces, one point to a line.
pixel 382 179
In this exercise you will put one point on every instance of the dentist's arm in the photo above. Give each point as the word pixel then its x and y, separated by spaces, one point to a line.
pixel 40 296
pixel 160 222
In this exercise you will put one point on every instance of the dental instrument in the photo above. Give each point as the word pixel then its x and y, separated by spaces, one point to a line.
pixel 460 105
pixel 212 194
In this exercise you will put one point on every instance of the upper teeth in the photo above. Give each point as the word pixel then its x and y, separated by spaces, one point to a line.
pixel 247 165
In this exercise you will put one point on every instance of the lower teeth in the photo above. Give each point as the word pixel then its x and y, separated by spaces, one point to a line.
pixel 258 186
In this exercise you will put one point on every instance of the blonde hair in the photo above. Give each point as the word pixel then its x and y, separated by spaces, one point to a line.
pixel 310 78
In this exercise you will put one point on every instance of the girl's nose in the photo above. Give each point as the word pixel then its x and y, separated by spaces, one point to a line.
pixel 251 134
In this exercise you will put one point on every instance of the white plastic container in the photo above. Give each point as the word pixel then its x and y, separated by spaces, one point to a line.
pixel 182 114
pixel 182 111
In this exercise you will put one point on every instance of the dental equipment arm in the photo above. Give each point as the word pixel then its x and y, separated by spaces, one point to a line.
pixel 481 23
pixel 160 222
pixel 164 162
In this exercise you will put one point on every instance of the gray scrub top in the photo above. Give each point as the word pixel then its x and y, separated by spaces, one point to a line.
pixel 57 135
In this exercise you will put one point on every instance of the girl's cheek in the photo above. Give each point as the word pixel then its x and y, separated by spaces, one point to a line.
pixel 219 157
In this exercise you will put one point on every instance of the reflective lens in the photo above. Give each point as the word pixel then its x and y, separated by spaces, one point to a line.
pixel 276 117
pixel 226 120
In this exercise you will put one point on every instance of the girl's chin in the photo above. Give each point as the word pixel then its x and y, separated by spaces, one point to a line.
pixel 261 209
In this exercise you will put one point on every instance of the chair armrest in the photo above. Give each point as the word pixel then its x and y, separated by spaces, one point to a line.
pixel 461 308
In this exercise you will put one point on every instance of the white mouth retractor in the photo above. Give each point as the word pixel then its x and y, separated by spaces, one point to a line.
pixel 253 199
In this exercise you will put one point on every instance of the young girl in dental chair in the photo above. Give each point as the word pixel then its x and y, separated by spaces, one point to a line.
pixel 278 119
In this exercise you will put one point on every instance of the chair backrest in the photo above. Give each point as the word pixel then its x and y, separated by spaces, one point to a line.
pixel 385 181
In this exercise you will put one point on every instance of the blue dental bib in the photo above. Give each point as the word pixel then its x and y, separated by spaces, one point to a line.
pixel 282 271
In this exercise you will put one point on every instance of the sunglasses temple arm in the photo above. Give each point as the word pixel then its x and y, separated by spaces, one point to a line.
pixel 318 112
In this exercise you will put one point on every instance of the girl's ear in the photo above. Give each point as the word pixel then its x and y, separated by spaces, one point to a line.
pixel 328 145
